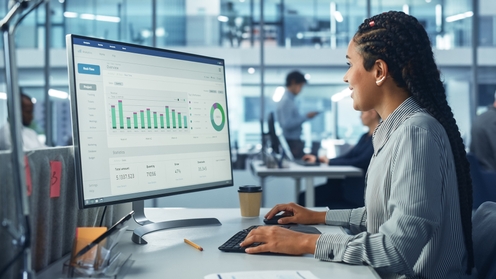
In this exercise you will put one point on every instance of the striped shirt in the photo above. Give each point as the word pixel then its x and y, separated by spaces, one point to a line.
pixel 410 226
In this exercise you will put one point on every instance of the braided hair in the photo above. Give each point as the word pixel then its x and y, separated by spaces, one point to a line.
pixel 402 42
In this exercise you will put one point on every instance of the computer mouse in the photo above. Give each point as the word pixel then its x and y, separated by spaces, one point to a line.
pixel 273 220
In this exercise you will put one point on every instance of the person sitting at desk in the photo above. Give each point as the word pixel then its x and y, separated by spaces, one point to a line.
pixel 331 194
pixel 416 222
pixel 29 136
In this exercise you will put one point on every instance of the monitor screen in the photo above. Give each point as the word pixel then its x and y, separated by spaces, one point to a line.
pixel 274 140
pixel 147 122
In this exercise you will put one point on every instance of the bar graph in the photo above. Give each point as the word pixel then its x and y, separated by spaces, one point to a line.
pixel 152 118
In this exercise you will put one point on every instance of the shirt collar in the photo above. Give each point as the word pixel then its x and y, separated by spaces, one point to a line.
pixel 395 119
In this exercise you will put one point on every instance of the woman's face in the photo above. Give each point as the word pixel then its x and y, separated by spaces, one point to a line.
pixel 361 82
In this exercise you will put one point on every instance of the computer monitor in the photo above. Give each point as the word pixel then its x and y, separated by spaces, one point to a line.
pixel 147 123
pixel 274 140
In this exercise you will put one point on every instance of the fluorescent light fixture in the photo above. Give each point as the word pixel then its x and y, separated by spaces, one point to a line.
pixel 93 17
pixel 459 16
pixel 146 33
pixel 108 18
pixel 58 94
pixel 222 18
pixel 70 14
pixel 338 16
pixel 427 1
pixel 160 32
pixel 87 16
pixel 308 76
pixel 3 96
pixel 278 93
pixel 299 35
pixel 341 95
pixel 406 9
pixel 251 70
pixel 439 16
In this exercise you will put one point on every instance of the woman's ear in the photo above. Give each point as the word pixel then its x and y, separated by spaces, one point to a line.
pixel 381 71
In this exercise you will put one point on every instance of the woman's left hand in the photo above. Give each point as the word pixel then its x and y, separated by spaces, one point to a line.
pixel 276 239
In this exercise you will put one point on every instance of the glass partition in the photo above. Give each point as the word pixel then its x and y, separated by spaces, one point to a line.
pixel 231 30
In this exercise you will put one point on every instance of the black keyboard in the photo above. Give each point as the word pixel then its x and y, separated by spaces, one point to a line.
pixel 232 244
pixel 302 162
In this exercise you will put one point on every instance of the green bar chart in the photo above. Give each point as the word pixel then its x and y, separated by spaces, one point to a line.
pixel 128 116
pixel 114 120
pixel 121 114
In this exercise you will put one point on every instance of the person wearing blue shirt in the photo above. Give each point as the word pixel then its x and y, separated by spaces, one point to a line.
pixel 332 194
pixel 288 114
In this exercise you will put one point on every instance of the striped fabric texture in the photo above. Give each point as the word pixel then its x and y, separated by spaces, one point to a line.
pixel 410 226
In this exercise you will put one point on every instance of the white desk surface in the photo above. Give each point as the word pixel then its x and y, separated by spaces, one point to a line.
pixel 167 256
pixel 295 170
pixel 308 172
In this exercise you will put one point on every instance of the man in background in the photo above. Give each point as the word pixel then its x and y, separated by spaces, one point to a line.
pixel 288 114
pixel 483 134
pixel 29 136
pixel 332 194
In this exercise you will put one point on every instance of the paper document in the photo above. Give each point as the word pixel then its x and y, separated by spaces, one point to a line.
pixel 265 274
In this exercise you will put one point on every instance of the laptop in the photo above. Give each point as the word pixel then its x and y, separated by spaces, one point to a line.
pixel 287 152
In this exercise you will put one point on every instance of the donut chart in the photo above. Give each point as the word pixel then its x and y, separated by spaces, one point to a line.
pixel 220 126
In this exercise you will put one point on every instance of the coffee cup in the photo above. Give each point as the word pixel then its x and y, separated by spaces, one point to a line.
pixel 250 200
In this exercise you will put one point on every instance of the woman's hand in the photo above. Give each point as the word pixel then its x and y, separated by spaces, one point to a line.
pixel 309 158
pixel 296 214
pixel 276 239
pixel 312 158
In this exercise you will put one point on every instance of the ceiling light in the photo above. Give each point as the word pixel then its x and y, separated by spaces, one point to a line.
pixel 222 18
pixel 278 93
pixel 459 16
pixel 341 95
pixel 58 94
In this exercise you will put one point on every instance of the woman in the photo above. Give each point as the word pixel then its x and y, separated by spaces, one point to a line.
pixel 416 222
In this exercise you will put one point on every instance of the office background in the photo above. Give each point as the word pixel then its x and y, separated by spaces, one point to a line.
pixel 308 35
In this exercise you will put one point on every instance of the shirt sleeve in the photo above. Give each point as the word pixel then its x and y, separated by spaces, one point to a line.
pixel 358 157
pixel 413 205
pixel 288 115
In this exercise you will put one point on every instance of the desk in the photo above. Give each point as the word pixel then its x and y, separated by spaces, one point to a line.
pixel 167 256
pixel 308 172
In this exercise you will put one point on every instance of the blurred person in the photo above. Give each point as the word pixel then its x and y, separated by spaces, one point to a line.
pixel 416 222
pixel 331 194
pixel 483 134
pixel 288 114
pixel 29 136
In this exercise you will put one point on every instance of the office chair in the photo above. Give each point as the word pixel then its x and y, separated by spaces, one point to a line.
pixel 483 182
pixel 484 240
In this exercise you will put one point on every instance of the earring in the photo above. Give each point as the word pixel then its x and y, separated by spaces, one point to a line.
pixel 380 80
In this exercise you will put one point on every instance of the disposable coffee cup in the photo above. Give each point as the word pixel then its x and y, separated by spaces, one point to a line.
pixel 250 200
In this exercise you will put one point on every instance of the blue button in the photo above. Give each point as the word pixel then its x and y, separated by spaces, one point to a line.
pixel 88 69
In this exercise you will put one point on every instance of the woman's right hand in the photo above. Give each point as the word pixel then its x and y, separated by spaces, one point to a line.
pixel 296 214
pixel 309 158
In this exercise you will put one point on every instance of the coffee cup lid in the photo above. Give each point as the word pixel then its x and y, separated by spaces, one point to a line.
pixel 250 188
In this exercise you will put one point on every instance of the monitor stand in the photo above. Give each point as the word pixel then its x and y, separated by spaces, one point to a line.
pixel 147 226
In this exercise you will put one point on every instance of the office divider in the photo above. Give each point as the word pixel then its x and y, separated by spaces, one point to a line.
pixel 54 212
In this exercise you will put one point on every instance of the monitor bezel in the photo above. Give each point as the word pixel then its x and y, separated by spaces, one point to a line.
pixel 75 128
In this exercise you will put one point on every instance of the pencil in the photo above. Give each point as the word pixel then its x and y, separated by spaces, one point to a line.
pixel 193 244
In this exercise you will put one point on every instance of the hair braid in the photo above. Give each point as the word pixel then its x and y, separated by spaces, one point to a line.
pixel 400 40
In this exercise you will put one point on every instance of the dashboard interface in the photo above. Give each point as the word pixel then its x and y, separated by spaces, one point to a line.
pixel 147 122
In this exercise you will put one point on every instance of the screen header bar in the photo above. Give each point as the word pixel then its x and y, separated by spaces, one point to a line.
pixel 145 50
